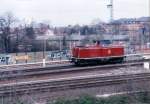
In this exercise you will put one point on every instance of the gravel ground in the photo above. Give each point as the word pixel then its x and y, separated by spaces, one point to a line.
pixel 118 71
pixel 41 98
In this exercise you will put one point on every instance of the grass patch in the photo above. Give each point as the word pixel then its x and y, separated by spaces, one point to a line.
pixel 140 98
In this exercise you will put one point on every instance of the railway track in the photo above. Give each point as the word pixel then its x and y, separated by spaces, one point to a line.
pixel 69 83
pixel 63 83
pixel 32 65
pixel 49 63
pixel 27 73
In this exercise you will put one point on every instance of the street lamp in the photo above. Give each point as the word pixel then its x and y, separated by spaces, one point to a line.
pixel 60 48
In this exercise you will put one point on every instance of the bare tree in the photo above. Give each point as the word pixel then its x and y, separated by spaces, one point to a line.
pixel 6 22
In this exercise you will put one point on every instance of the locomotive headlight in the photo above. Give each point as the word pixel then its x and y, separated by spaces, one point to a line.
pixel 109 51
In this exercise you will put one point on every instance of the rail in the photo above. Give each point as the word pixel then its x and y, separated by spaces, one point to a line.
pixel 26 73
pixel 69 83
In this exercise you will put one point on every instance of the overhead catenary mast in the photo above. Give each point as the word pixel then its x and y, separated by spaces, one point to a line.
pixel 111 7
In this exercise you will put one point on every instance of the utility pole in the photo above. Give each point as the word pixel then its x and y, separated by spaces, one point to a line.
pixel 149 9
pixel 44 52
pixel 111 7
pixel 17 43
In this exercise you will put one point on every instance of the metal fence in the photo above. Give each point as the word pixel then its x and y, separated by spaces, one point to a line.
pixel 33 57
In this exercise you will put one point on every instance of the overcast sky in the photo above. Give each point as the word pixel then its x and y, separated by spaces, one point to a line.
pixel 65 12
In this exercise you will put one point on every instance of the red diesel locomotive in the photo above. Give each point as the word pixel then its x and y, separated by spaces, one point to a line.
pixel 97 54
